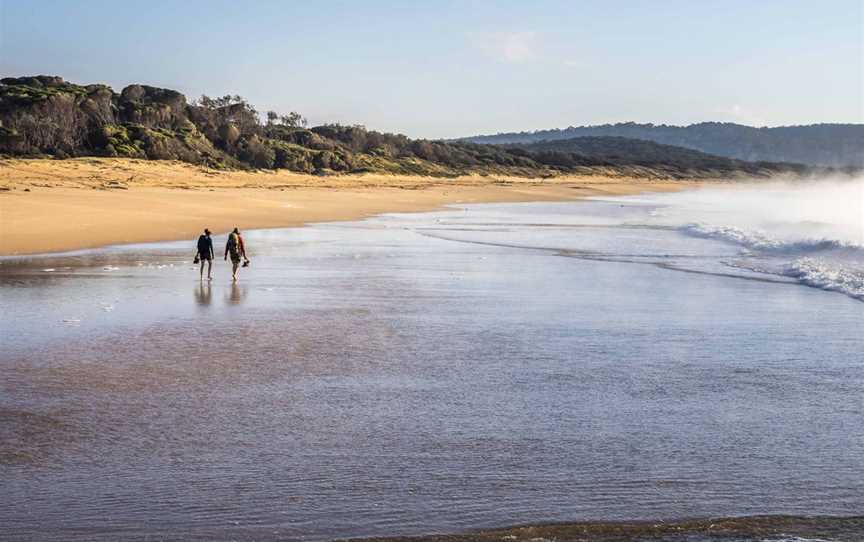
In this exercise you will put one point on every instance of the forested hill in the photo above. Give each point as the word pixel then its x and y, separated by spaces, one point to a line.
pixel 830 145
pixel 622 151
pixel 47 116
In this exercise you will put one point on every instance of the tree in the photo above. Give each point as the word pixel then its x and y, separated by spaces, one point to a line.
pixel 271 118
pixel 293 120
pixel 204 101
pixel 224 101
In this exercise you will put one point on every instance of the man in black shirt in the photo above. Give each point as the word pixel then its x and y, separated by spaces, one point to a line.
pixel 205 253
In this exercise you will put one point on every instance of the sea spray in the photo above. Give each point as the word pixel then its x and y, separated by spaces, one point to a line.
pixel 786 212
pixel 812 231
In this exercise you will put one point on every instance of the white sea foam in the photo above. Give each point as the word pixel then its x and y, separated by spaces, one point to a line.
pixel 760 240
pixel 811 231
pixel 828 275
pixel 802 212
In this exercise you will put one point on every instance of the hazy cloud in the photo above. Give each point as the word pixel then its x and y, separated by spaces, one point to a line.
pixel 510 47
pixel 738 113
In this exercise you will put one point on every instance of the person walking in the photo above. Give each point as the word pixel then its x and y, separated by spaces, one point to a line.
pixel 205 253
pixel 236 248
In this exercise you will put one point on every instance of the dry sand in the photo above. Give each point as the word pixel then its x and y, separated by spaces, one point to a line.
pixel 57 205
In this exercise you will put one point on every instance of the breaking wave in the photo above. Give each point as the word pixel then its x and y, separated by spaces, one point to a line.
pixel 828 264
pixel 831 276
pixel 760 240
pixel 812 232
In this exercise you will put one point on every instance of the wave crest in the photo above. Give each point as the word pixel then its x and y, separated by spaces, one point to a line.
pixel 759 240
pixel 828 276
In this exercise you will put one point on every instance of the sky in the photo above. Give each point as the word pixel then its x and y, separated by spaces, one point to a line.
pixel 438 69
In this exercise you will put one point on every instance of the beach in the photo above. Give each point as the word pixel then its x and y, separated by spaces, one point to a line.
pixel 598 363
pixel 431 272
pixel 60 205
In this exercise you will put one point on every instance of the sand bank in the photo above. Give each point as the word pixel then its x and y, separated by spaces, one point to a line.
pixel 744 527
pixel 51 205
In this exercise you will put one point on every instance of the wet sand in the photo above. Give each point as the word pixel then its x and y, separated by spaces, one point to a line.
pixel 414 374
pixel 53 205
pixel 790 528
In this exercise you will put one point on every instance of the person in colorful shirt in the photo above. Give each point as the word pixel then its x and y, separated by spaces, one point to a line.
pixel 236 248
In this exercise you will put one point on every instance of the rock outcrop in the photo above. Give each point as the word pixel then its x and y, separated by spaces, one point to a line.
pixel 47 115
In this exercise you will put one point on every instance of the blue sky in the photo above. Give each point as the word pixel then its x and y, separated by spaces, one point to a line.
pixel 447 69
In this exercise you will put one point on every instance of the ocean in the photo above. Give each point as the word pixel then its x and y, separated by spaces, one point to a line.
pixel 655 357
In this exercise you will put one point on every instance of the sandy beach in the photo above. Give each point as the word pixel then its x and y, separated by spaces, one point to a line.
pixel 59 205
pixel 597 369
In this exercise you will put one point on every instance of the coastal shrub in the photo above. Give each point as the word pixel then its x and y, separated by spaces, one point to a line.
pixel 45 114
pixel 423 149
pixel 288 134
pixel 228 135
pixel 254 152
pixel 11 140
pixel 290 156
pixel 342 161
pixel 322 160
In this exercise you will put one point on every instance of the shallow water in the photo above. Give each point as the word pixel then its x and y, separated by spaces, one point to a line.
pixel 483 366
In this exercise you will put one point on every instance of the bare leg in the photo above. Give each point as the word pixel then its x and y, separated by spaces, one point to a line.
pixel 201 271
pixel 209 269
pixel 235 266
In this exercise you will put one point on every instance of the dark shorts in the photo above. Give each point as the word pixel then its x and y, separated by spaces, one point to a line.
pixel 205 257
pixel 235 258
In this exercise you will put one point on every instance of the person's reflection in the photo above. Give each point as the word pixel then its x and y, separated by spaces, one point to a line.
pixel 236 295
pixel 203 294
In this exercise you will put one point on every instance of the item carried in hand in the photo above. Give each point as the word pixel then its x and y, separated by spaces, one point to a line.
pixel 246 263
pixel 197 259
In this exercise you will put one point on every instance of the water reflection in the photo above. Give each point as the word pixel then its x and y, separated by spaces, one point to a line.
pixel 538 388
pixel 203 294
pixel 236 295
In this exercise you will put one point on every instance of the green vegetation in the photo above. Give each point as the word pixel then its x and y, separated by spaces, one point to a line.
pixel 620 151
pixel 827 145
pixel 46 115
pixel 25 91
pixel 118 143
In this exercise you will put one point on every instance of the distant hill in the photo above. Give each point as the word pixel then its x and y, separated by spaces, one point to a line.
pixel 828 145
pixel 621 151
pixel 45 115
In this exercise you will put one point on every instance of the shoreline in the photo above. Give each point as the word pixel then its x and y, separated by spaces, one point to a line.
pixel 723 528
pixel 51 206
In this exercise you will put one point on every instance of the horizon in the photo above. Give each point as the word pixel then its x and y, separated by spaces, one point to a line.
pixel 470 69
